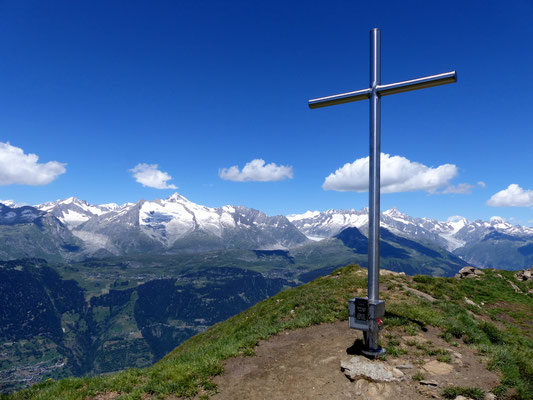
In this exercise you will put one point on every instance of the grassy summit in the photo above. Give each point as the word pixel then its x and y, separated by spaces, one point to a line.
pixel 485 312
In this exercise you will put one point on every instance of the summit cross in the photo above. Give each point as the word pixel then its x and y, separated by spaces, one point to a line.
pixel 366 313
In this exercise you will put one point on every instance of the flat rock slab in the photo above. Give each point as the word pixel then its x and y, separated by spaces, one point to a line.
pixel 374 371
pixel 438 368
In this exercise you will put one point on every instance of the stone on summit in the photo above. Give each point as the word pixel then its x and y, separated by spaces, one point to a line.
pixel 375 371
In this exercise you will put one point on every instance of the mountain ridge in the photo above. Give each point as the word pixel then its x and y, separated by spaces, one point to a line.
pixel 176 224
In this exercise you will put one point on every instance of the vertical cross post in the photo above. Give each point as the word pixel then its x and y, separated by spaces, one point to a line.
pixel 366 312
pixel 374 182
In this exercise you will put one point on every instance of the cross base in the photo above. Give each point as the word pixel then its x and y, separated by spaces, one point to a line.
pixel 374 353
pixel 365 315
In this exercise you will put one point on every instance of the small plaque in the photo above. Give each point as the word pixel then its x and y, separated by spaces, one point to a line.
pixel 361 309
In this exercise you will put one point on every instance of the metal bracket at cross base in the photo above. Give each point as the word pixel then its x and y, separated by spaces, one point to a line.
pixel 366 313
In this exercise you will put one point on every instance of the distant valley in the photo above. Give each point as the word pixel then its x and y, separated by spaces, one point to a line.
pixel 53 327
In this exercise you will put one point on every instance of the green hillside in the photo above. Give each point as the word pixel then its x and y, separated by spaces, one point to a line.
pixel 498 325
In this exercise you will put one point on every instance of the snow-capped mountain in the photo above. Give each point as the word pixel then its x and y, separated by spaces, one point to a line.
pixel 176 223
pixel 451 234
pixel 476 230
pixel 11 203
pixel 319 225
pixel 75 229
pixel 73 212
pixel 329 223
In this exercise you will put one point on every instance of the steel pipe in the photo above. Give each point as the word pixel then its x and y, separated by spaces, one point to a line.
pixel 348 97
pixel 419 83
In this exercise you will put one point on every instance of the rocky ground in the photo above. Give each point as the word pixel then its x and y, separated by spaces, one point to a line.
pixel 306 364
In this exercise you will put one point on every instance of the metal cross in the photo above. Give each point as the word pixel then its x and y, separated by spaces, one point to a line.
pixel 365 313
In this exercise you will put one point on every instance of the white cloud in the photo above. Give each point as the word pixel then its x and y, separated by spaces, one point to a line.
pixel 462 188
pixel 256 171
pixel 513 196
pixel 455 218
pixel 398 174
pixel 24 169
pixel 150 176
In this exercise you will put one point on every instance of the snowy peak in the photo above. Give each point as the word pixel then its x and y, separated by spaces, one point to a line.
pixel 11 203
pixel 456 223
pixel 394 213
pixel 316 224
pixel 499 223
pixel 452 234
pixel 176 217
pixel 176 197
pixel 73 212
pixel 175 223
pixel 305 215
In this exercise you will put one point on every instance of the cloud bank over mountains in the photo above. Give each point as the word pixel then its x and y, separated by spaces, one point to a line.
pixel 257 171
pixel 16 167
pixel 398 174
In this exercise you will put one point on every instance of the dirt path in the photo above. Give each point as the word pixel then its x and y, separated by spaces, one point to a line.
pixel 305 364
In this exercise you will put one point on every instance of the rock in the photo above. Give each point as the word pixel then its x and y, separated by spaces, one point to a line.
pixel 375 371
pixel 468 301
pixel 515 288
pixel 458 361
pixel 389 272
pixel 418 293
pixel 469 272
pixel 428 383
pixel 525 274
pixel 437 368
pixel 462 398
pixel 490 396
pixel 427 392
pixel 405 366
pixel 373 390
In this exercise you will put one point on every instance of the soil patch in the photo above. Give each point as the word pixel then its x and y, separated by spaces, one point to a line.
pixel 305 364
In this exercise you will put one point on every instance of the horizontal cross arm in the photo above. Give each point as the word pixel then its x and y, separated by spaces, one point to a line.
pixel 363 94
pixel 419 83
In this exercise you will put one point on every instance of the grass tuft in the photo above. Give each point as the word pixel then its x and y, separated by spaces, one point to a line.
pixel 419 376
pixel 452 392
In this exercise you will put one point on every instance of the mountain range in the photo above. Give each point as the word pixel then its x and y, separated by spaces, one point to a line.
pixel 491 244
pixel 73 229
pixel 118 286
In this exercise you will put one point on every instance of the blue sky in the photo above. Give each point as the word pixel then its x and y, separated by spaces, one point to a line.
pixel 102 91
